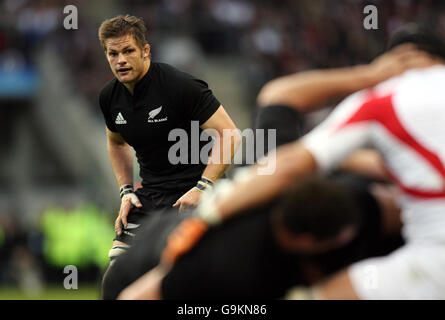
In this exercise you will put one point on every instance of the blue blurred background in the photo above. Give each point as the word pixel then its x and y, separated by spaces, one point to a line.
pixel 58 196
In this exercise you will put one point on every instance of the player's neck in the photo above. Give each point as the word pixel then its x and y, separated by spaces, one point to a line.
pixel 131 85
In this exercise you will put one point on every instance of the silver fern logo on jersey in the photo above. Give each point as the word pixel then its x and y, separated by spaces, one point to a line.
pixel 153 113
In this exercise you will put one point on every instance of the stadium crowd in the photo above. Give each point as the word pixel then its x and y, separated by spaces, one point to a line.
pixel 274 38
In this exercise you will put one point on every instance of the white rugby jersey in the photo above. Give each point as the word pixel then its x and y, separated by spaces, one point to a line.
pixel 403 118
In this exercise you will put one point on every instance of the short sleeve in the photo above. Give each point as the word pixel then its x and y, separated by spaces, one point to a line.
pixel 199 100
pixel 340 133
pixel 104 103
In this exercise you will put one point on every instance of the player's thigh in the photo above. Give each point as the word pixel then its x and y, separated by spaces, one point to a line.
pixel 411 272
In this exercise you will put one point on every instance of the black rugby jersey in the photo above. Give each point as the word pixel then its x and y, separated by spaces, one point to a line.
pixel 163 100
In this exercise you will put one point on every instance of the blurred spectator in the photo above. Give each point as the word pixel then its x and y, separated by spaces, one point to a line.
pixel 13 237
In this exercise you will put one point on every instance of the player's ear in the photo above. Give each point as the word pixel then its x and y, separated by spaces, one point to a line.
pixel 146 51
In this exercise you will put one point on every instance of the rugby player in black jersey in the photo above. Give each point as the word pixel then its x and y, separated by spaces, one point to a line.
pixel 142 106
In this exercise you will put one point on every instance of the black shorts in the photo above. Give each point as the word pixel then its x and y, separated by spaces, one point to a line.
pixel 145 253
pixel 151 202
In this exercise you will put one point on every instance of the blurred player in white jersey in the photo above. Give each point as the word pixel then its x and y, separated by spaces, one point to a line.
pixel 404 119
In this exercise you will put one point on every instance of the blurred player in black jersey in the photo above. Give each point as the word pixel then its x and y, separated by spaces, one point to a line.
pixel 259 253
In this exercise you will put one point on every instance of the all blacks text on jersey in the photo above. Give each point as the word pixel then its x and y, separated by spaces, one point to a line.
pixel 153 113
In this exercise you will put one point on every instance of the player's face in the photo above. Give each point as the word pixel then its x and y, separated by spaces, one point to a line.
pixel 126 58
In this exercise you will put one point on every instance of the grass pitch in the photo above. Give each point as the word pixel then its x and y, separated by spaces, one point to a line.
pixel 84 292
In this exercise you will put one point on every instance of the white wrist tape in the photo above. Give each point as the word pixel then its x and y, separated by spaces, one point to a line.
pixel 207 207
pixel 132 196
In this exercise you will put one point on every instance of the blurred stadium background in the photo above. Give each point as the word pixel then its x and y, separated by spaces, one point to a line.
pixel 58 197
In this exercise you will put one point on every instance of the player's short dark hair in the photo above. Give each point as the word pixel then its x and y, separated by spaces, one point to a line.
pixel 422 35
pixel 121 26
pixel 318 206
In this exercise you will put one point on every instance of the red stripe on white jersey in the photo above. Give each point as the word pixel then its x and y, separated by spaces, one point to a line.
pixel 381 109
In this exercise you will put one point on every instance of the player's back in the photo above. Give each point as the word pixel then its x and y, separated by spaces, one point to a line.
pixel 410 133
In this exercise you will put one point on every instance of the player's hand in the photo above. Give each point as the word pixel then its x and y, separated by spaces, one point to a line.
pixel 189 199
pixel 398 60
pixel 128 201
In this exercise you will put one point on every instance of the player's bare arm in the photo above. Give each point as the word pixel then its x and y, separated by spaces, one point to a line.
pixel 228 141
pixel 293 161
pixel 147 287
pixel 367 162
pixel 121 158
pixel 229 138
pixel 306 91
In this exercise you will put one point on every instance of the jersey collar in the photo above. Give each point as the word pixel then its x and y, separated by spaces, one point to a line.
pixel 142 85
